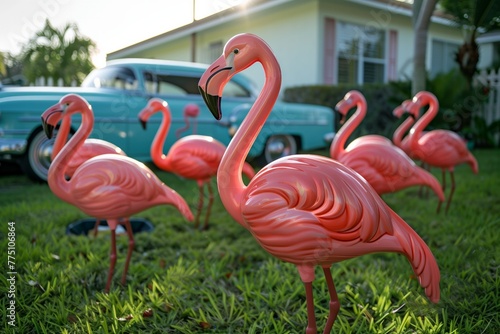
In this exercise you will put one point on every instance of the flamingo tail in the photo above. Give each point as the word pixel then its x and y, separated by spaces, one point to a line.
pixel 472 162
pixel 421 258
pixel 173 198
pixel 432 183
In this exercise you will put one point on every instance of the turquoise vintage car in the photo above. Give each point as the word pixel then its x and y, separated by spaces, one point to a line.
pixel 122 88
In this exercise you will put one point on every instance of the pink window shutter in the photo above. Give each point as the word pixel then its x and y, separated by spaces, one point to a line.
pixel 329 75
pixel 393 54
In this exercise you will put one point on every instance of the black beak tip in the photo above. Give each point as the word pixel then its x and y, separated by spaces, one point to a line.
pixel 213 103
pixel 143 124
pixel 48 129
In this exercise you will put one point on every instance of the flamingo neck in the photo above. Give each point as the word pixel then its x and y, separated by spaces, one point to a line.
pixel 181 130
pixel 397 138
pixel 161 160
pixel 421 123
pixel 56 176
pixel 229 175
pixel 337 147
pixel 62 136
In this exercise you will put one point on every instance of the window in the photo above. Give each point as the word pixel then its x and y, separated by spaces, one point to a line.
pixel 443 57
pixel 361 55
pixel 111 77
pixel 215 50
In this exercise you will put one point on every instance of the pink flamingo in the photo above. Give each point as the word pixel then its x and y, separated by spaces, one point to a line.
pixel 398 138
pixel 89 149
pixel 386 167
pixel 191 110
pixel 304 209
pixel 111 186
pixel 193 157
pixel 439 148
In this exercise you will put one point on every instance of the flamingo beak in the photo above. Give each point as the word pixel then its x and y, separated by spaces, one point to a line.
pixel 212 83
pixel 50 118
pixel 143 124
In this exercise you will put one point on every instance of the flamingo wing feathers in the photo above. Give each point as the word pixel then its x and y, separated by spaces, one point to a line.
pixel 306 201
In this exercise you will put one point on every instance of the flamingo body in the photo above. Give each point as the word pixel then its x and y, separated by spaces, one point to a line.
pixel 108 186
pixel 304 209
pixel 386 167
pixel 439 148
pixel 194 157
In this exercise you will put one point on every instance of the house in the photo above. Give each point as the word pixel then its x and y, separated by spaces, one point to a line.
pixel 315 41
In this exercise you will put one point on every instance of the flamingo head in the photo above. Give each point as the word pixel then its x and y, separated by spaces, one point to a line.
pixel 154 105
pixel 420 100
pixel 191 110
pixel 67 106
pixel 402 108
pixel 352 99
pixel 240 52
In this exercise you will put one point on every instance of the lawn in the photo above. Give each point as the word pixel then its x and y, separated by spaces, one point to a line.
pixel 182 280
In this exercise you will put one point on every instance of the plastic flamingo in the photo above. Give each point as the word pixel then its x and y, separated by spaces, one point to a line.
pixel 304 209
pixel 110 186
pixel 439 148
pixel 386 167
pixel 89 149
pixel 194 157
pixel 398 138
pixel 191 110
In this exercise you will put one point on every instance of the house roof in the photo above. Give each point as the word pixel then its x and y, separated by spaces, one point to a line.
pixel 395 6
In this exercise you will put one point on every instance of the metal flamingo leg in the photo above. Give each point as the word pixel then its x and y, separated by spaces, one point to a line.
pixel 112 258
pixel 209 206
pixel 131 244
pixel 311 317
pixel 334 301
pixel 452 190
pixel 444 188
pixel 200 204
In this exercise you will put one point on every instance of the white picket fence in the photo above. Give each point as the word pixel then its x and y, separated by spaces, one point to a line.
pixel 41 81
pixel 491 106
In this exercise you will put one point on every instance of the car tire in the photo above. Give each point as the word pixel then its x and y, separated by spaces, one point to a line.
pixel 277 146
pixel 36 161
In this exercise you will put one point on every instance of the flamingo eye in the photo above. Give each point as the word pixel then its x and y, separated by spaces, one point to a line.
pixel 236 51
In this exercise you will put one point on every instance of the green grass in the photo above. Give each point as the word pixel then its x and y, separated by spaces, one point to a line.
pixel 220 281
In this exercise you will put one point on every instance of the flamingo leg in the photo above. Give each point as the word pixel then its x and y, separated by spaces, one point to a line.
pixel 444 188
pixel 131 244
pixel 452 190
pixel 311 317
pixel 209 206
pixel 112 258
pixel 96 227
pixel 334 301
pixel 200 204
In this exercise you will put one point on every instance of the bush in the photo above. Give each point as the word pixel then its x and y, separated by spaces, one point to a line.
pixel 381 100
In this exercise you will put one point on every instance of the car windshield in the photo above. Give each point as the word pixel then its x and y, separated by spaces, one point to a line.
pixel 111 77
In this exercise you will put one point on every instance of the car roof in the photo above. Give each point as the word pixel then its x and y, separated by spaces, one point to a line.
pixel 149 62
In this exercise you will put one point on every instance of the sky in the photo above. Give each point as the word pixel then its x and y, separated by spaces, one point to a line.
pixel 111 24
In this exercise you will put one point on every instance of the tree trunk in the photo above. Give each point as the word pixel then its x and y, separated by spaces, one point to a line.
pixel 422 13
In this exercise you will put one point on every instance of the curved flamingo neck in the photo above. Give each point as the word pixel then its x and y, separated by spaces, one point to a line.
pixel 161 160
pixel 423 121
pixel 62 136
pixel 338 145
pixel 181 130
pixel 56 176
pixel 398 135
pixel 229 175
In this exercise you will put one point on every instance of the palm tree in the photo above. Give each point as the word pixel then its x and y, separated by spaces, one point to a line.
pixel 3 71
pixel 58 54
pixel 473 16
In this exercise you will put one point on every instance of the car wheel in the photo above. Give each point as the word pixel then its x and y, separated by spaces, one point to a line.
pixel 36 161
pixel 278 146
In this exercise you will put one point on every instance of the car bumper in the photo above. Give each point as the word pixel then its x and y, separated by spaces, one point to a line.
pixel 12 146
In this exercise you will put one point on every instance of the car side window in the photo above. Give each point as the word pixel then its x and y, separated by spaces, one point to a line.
pixel 112 77
pixel 178 85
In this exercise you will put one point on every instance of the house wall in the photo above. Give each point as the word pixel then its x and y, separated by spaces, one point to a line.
pixel 296 33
